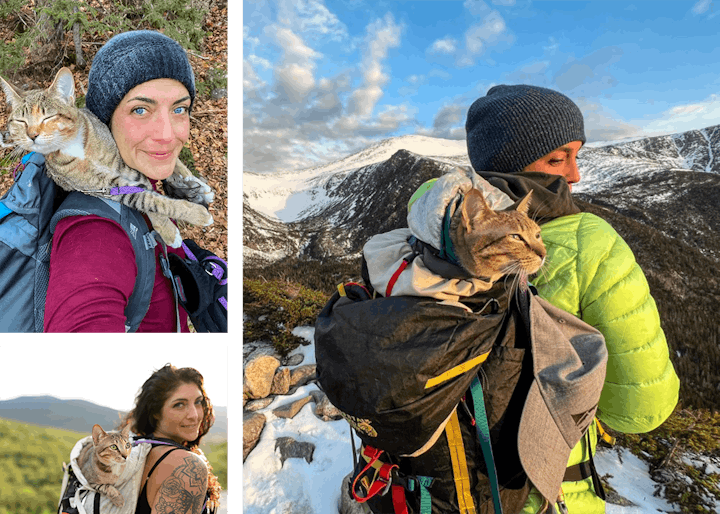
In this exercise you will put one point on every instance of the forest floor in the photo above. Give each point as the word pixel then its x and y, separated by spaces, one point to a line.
pixel 208 121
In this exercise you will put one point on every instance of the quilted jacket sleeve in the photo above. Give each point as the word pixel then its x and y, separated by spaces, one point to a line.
pixel 592 273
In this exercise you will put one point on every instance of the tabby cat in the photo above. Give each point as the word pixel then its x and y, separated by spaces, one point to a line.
pixel 81 155
pixel 490 244
pixel 103 462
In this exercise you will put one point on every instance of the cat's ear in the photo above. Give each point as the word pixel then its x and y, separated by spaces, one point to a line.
pixel 125 432
pixel 524 205
pixel 474 206
pixel 63 86
pixel 13 95
pixel 97 433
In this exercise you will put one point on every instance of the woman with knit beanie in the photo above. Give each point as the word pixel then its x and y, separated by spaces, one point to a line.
pixel 525 137
pixel 142 86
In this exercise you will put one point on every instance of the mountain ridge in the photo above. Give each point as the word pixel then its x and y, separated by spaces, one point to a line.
pixel 78 415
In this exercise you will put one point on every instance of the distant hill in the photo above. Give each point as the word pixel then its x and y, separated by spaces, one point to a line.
pixel 80 415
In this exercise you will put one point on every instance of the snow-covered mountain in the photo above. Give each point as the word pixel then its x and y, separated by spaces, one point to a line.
pixel 668 182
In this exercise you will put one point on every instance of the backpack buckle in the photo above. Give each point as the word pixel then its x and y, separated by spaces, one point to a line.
pixel 381 481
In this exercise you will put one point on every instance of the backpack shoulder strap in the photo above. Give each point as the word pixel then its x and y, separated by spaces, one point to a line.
pixel 143 243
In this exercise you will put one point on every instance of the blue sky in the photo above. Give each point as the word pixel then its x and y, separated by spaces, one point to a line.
pixel 322 80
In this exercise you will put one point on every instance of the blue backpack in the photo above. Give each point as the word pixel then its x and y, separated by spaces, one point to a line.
pixel 28 216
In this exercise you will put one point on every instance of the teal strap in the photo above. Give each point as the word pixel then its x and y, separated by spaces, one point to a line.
pixel 4 210
pixel 481 425
pixel 425 502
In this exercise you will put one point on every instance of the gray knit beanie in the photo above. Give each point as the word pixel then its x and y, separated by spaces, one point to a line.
pixel 129 59
pixel 513 126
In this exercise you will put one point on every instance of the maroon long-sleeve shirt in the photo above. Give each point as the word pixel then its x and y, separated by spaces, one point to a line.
pixel 92 275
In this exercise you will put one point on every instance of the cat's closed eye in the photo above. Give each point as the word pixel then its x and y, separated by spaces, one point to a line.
pixel 515 236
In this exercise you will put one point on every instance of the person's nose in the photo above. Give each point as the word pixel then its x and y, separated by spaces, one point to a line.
pixel 163 130
pixel 573 174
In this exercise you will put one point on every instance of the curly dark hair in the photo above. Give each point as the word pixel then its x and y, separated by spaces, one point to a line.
pixel 150 400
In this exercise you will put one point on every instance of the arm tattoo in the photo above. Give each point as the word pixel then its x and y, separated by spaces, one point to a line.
pixel 183 492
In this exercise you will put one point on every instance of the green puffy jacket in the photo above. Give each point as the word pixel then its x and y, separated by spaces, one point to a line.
pixel 591 272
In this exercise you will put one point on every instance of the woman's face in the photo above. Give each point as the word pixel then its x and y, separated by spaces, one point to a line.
pixel 181 414
pixel 150 126
pixel 561 161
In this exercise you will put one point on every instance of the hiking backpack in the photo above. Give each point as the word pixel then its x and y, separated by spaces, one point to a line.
pixel 436 395
pixel 77 497
pixel 29 212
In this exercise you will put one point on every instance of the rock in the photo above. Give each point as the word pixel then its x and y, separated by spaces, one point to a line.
pixel 291 409
pixel 252 428
pixel 255 405
pixel 302 375
pixel 326 410
pixel 347 505
pixel 281 382
pixel 219 92
pixel 317 396
pixel 290 448
pixel 258 376
pixel 293 360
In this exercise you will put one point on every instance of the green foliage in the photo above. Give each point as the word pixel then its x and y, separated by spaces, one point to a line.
pixel 31 472
pixel 186 157
pixel 12 54
pixel 275 308
pixel 685 430
pixel 218 457
pixel 179 19
pixel 216 78
pixel 10 7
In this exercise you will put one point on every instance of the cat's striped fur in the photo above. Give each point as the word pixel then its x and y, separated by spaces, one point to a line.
pixel 103 461
pixel 81 155
pixel 490 244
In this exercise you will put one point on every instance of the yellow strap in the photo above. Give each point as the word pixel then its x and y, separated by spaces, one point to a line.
pixel 459 465
pixel 341 289
pixel 457 370
pixel 604 435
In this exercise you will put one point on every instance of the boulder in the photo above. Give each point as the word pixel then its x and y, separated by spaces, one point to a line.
pixel 302 375
pixel 252 428
pixel 291 409
pixel 281 381
pixel 258 376
pixel 290 448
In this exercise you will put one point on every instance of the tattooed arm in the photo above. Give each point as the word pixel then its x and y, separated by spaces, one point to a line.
pixel 182 491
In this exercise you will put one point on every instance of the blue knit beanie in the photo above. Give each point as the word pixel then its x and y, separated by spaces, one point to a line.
pixel 513 126
pixel 129 59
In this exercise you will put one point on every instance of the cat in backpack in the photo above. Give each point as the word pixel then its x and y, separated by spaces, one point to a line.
pixel 103 461
pixel 491 244
pixel 81 155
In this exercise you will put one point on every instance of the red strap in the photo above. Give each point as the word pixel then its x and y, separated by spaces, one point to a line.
pixel 398 499
pixel 381 483
pixel 395 276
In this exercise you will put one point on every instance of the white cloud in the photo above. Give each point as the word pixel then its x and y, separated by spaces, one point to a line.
pixel 259 61
pixel 294 74
pixel 440 74
pixel 251 81
pixel 316 19
pixel 382 35
pixel 701 6
pixel 476 7
pixel 491 31
pixel 297 81
pixel 504 2
pixel 687 117
pixel 294 47
pixel 447 45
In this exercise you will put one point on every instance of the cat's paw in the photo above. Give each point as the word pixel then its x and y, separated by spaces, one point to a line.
pixel 198 215
pixel 189 187
pixel 118 500
pixel 201 190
